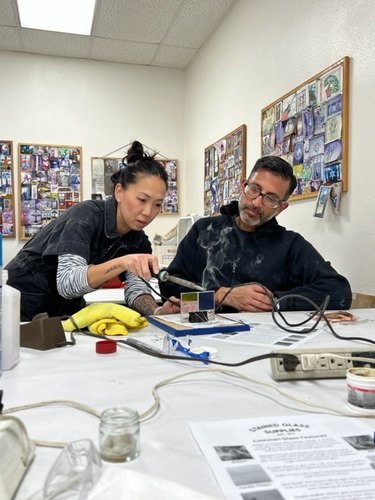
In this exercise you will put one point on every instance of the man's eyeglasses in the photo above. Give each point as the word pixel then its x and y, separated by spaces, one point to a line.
pixel 268 200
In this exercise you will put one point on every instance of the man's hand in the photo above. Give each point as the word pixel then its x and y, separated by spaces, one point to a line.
pixel 171 306
pixel 249 298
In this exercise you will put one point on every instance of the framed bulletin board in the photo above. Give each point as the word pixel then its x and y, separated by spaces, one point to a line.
pixel 49 183
pixel 308 127
pixel 102 187
pixel 7 209
pixel 224 167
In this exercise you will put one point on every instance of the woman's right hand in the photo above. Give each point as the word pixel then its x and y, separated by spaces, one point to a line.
pixel 143 265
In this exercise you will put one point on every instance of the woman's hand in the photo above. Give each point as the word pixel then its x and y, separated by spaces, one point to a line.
pixel 141 264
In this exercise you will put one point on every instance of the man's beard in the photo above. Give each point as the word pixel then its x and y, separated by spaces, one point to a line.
pixel 251 221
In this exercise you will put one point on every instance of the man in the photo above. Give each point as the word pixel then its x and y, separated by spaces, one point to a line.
pixel 247 257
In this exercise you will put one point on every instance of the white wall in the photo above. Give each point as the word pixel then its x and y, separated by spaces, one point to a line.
pixel 264 49
pixel 99 106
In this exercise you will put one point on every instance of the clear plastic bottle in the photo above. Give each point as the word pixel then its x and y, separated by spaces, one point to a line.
pixel 1 305
pixel 11 317
pixel 119 435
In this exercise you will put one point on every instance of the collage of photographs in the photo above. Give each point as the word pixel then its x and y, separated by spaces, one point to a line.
pixel 50 182
pixel 225 166
pixel 101 184
pixel 307 127
pixel 6 189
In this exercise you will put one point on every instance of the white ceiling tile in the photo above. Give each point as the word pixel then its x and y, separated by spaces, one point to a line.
pixel 53 43
pixel 195 21
pixel 173 57
pixel 120 51
pixel 9 39
pixel 8 13
pixel 137 21
pixel 163 33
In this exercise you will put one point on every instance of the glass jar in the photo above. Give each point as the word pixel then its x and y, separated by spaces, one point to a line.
pixel 119 435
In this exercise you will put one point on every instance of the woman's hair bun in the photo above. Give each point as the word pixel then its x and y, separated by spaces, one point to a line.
pixel 135 152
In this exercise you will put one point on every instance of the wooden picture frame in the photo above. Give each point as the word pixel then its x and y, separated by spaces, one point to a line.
pixel 309 127
pixel 224 168
pixel 7 205
pixel 49 183
pixel 102 169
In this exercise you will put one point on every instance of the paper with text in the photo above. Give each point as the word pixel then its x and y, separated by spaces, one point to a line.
pixel 290 458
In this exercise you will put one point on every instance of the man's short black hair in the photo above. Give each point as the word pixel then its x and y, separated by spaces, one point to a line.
pixel 277 166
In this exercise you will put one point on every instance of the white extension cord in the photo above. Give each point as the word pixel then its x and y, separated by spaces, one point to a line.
pixel 321 363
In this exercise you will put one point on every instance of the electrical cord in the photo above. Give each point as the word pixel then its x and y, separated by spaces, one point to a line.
pixel 157 292
pixel 56 402
pixel 63 402
pixel 155 407
pixel 152 411
pixel 319 313
pixel 275 304
pixel 177 304
pixel 287 358
pixel 270 296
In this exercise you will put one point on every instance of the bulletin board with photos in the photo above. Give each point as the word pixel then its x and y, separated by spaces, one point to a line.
pixel 7 207
pixel 49 184
pixel 102 187
pixel 224 167
pixel 308 127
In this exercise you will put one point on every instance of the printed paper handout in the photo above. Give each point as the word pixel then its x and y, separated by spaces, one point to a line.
pixel 290 458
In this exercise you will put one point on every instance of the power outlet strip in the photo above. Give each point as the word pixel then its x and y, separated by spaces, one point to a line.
pixel 313 363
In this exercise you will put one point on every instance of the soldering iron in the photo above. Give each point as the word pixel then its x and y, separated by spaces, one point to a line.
pixel 163 275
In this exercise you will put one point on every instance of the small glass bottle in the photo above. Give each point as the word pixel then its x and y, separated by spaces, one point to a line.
pixel 119 435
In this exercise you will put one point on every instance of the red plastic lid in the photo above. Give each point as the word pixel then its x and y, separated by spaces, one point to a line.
pixel 106 346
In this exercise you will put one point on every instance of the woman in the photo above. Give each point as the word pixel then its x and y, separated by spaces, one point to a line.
pixel 95 241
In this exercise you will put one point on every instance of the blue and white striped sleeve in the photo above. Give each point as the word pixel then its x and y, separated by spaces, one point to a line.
pixel 71 277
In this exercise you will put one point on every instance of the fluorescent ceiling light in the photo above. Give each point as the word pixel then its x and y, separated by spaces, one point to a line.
pixel 65 16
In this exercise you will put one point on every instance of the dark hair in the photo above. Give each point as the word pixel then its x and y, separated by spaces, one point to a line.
pixel 136 163
pixel 277 166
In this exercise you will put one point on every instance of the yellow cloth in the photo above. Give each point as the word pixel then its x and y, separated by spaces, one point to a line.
pixel 105 318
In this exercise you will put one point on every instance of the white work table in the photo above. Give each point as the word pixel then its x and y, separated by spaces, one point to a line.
pixel 127 378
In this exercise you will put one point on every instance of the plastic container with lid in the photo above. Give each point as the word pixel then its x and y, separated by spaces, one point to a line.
pixel 361 389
